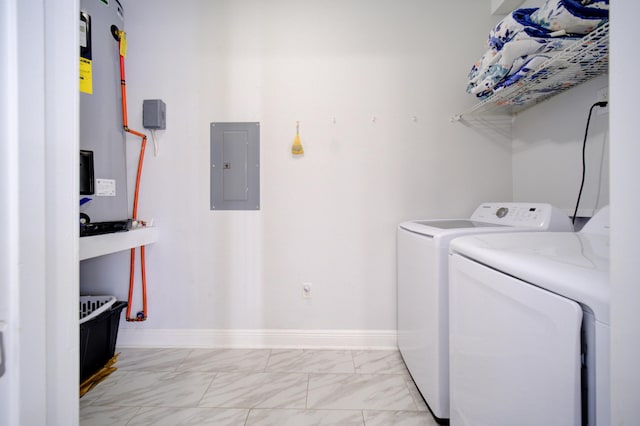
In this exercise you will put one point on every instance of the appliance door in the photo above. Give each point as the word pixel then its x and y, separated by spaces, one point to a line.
pixel 423 317
pixel 514 350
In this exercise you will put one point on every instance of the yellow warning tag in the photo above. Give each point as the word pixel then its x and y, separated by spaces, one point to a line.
pixel 86 76
pixel 123 43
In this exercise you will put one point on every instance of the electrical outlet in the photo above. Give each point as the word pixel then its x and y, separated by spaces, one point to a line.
pixel 603 95
pixel 306 290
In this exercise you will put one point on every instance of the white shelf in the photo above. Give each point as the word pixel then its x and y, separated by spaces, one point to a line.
pixel 99 245
pixel 582 61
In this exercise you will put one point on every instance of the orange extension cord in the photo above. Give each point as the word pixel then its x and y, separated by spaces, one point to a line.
pixel 141 316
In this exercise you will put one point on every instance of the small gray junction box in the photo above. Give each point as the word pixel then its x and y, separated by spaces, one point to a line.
pixel 154 114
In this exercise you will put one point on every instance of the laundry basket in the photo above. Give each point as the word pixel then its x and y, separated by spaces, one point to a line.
pixel 99 319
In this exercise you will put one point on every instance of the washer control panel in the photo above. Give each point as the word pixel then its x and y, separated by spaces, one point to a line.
pixel 530 215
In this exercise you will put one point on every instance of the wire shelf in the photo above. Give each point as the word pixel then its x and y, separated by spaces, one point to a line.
pixel 585 59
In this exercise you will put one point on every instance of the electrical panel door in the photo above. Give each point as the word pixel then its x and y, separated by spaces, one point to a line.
pixel 235 166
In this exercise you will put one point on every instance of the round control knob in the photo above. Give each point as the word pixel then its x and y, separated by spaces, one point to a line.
pixel 84 219
pixel 502 212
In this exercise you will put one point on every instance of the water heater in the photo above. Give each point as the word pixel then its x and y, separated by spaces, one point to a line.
pixel 101 132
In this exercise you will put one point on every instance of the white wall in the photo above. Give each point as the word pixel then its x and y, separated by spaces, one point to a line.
pixel 547 151
pixel 9 213
pixel 328 218
pixel 39 289
pixel 625 227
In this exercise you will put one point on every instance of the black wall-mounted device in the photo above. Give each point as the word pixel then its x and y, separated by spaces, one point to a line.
pixel 86 173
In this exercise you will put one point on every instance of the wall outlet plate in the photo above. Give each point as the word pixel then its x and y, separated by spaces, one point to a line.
pixel 602 95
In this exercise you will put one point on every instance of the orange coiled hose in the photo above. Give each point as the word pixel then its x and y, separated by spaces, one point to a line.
pixel 125 124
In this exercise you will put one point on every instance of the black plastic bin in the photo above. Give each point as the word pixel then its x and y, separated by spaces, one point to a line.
pixel 98 336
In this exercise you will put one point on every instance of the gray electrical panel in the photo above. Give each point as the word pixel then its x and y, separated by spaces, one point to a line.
pixel 235 166
pixel 154 114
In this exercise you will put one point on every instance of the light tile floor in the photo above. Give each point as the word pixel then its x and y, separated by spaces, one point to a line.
pixel 256 387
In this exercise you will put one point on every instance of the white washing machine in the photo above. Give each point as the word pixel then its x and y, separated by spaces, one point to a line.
pixel 529 331
pixel 423 304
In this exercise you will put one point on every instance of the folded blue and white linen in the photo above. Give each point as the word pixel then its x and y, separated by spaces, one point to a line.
pixel 526 38
pixel 572 16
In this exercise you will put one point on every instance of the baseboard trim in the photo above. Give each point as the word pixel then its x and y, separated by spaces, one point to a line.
pixel 208 338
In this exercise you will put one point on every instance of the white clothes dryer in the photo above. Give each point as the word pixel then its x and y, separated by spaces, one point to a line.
pixel 529 331
pixel 423 304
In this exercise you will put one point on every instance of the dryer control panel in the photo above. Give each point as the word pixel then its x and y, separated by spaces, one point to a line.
pixel 533 215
